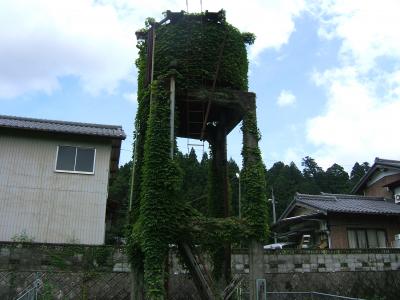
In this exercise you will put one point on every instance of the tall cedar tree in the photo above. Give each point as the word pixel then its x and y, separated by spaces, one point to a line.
pixel 358 172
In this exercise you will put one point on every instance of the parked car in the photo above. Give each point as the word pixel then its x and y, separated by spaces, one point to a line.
pixel 277 246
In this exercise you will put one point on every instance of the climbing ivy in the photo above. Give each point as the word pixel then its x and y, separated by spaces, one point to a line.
pixel 254 201
pixel 134 249
pixel 140 128
pixel 195 43
pixel 160 193
pixel 192 47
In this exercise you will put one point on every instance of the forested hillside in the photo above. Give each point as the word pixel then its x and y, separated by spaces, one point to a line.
pixel 284 180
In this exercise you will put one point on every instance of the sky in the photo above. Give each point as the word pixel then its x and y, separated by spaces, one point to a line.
pixel 326 73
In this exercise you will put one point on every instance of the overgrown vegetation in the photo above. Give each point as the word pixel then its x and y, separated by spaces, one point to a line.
pixel 200 51
pixel 285 179
pixel 22 237
pixel 254 200
pixel 196 44
pixel 160 198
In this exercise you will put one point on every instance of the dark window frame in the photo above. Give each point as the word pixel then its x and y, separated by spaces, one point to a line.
pixel 365 230
pixel 76 153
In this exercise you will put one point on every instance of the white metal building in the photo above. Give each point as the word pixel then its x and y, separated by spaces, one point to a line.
pixel 54 179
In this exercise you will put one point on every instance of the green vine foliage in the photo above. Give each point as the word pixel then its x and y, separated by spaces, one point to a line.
pixel 192 48
pixel 160 199
pixel 194 44
pixel 254 199
pixel 134 249
pixel 140 128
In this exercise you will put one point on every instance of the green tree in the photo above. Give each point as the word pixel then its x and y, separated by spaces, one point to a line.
pixel 313 176
pixel 358 172
pixel 311 168
pixel 194 186
pixel 233 169
pixel 336 180
pixel 117 203
pixel 285 180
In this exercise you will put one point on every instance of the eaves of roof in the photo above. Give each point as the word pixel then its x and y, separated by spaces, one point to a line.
pixel 295 202
pixel 62 127
pixel 353 204
pixel 297 219
pixel 379 162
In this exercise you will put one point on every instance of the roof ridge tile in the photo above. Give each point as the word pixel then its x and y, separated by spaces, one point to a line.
pixel 51 121
pixel 66 127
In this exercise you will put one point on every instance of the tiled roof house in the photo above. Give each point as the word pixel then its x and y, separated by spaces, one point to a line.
pixel 370 218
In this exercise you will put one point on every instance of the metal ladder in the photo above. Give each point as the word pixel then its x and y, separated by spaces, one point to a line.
pixel 194 121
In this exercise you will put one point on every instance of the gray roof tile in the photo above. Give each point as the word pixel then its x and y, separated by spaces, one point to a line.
pixel 379 162
pixel 349 204
pixel 387 162
pixel 110 131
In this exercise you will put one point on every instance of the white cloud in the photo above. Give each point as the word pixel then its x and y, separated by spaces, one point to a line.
pixel 43 41
pixel 131 97
pixel 363 92
pixel 286 98
pixel 368 29
pixel 271 21
pixel 294 155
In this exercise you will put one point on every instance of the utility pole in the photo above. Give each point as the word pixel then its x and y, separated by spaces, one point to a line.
pixel 273 212
pixel 172 116
pixel 240 196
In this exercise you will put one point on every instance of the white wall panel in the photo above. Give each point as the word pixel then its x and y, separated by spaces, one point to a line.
pixel 50 206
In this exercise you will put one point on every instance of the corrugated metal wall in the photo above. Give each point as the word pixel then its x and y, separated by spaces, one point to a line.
pixel 50 206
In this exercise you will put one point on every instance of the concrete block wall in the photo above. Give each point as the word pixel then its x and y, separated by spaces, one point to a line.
pixel 365 274
pixel 323 261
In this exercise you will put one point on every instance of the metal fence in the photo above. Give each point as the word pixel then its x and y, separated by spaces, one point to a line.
pixel 32 290
pixel 29 285
pixel 305 296
pixel 31 294
pixel 244 295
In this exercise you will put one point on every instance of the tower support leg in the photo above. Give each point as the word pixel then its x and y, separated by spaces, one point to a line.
pixel 137 290
pixel 252 166
pixel 256 266
pixel 218 141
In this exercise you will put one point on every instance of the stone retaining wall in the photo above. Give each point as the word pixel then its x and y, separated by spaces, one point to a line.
pixel 62 257
pixel 72 270
pixel 64 271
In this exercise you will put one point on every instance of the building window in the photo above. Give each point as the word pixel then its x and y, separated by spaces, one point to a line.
pixel 75 159
pixel 366 238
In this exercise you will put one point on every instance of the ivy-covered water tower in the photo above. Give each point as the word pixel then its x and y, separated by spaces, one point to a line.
pixel 192 83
